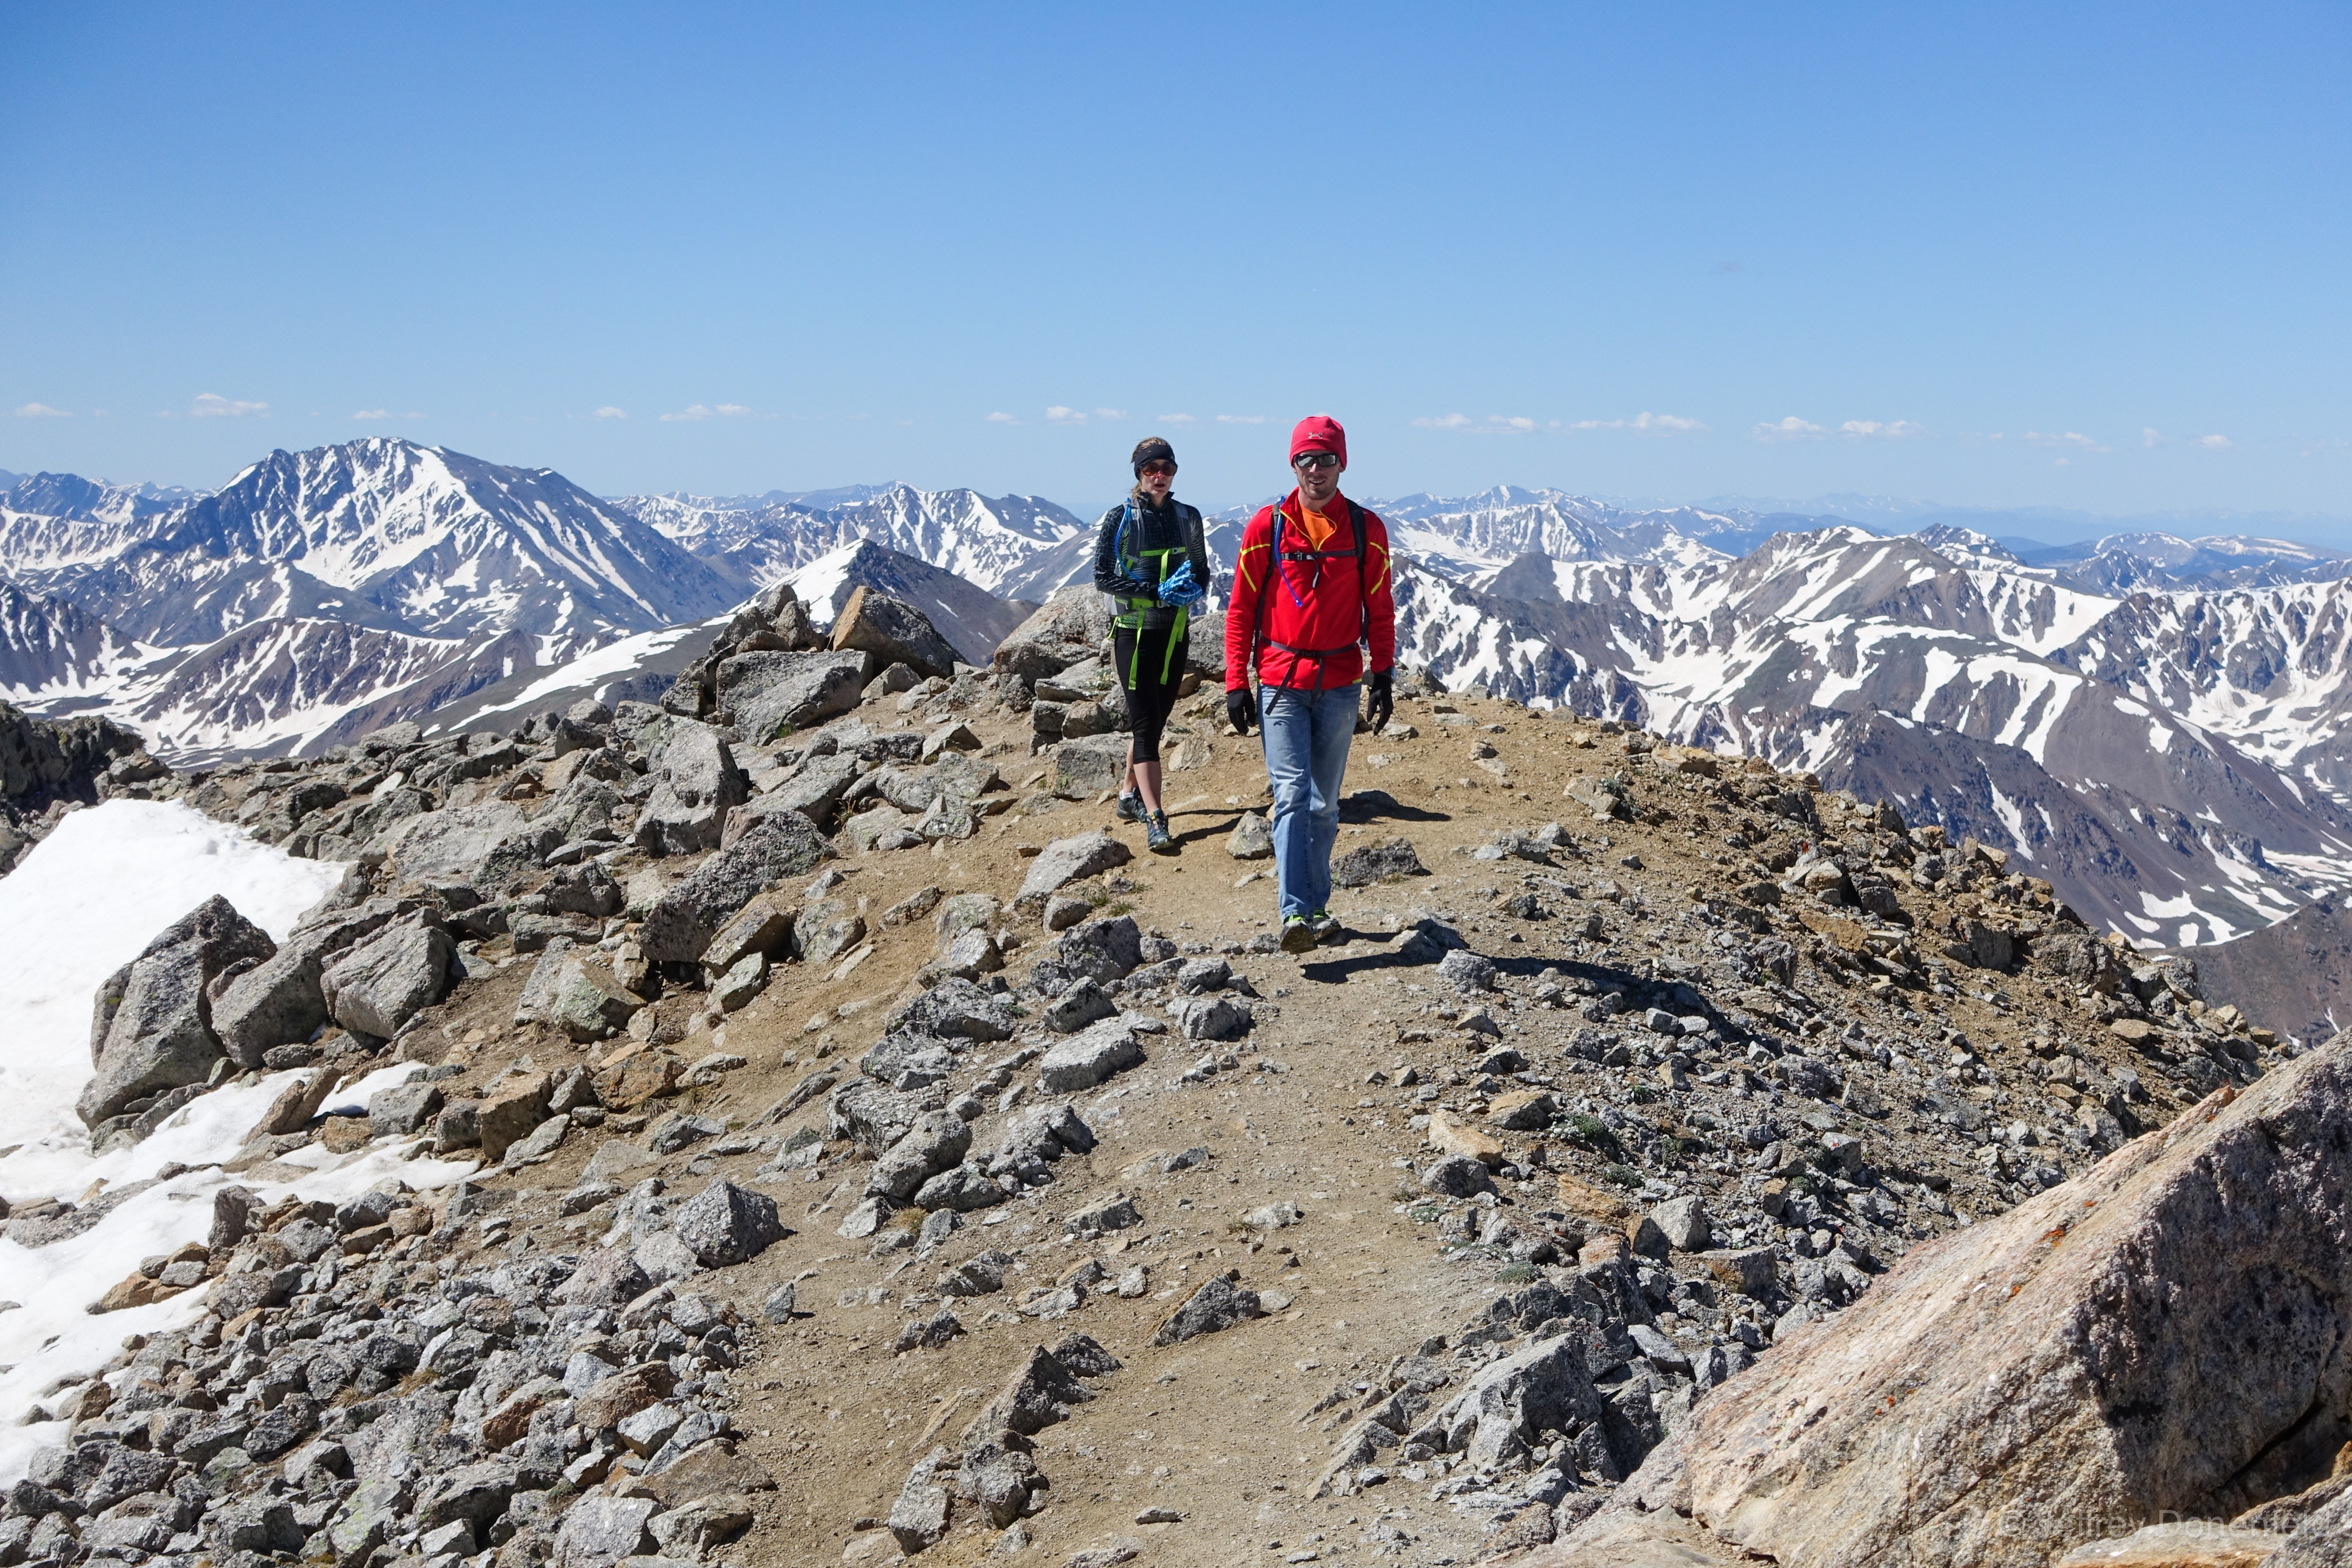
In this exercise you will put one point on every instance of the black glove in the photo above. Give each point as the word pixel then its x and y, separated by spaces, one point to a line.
pixel 1240 708
pixel 1382 707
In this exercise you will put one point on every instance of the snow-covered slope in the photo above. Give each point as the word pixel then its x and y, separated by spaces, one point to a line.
pixel 85 900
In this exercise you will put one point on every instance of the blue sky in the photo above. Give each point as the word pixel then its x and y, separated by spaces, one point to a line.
pixel 2081 257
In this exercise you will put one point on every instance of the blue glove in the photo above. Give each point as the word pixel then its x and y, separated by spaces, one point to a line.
pixel 1180 587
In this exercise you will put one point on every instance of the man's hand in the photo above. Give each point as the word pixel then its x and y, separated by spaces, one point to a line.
pixel 1381 708
pixel 1240 708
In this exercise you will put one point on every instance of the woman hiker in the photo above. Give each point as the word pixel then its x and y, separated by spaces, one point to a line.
pixel 1152 558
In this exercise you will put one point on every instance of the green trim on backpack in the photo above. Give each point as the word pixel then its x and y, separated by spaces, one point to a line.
pixel 1130 564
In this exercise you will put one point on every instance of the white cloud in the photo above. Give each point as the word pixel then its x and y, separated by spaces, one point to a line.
pixel 2215 443
pixel 1058 414
pixel 213 405
pixel 609 412
pixel 377 416
pixel 1110 413
pixel 2148 437
pixel 693 411
pixel 1242 420
pixel 1645 423
pixel 1177 419
pixel 2073 438
pixel 1493 425
pixel 1001 417
pixel 1894 430
pixel 1789 429
pixel 39 411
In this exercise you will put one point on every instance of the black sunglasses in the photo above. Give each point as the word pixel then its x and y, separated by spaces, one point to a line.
pixel 1316 460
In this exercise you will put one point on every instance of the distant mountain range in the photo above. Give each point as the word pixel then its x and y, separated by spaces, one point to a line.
pixel 2155 722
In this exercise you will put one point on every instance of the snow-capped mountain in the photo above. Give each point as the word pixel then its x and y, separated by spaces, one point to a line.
pixel 386 532
pixel 378 574
pixel 986 540
pixel 2175 762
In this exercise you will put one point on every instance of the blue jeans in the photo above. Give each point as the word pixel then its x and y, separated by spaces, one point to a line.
pixel 1306 734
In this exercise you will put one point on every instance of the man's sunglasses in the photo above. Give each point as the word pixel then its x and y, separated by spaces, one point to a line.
pixel 1160 467
pixel 1316 460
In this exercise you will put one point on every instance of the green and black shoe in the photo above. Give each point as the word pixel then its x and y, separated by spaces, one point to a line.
pixel 1298 936
pixel 1130 809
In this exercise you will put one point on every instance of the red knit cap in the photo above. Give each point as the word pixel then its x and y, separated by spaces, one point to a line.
pixel 1319 433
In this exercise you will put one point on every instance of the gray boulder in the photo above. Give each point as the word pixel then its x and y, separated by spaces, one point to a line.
pixel 277 1001
pixel 1252 838
pixel 484 843
pixel 937 1143
pixel 2322 1541
pixel 1685 1223
pixel 814 789
pixel 1212 1017
pixel 958 1009
pixel 961 1190
pixel 725 1224
pixel 380 984
pixel 1083 1004
pixel 151 1026
pixel 407 1109
pixel 1218 1304
pixel 1370 863
pixel 682 921
pixel 599 1530
pixel 918 1519
pixel 1507 1405
pixel 770 694
pixel 890 631
pixel 1066 860
pixel 696 785
pixel 1088 1057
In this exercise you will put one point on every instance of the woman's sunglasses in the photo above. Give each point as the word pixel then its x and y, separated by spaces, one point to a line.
pixel 1160 467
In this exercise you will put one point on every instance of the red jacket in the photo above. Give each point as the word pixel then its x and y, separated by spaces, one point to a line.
pixel 1325 605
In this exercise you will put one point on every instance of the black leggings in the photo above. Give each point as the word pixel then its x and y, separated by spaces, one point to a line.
pixel 1149 699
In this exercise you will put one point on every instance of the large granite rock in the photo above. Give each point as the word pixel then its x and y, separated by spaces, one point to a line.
pixel 682 921
pixel 697 785
pixel 893 632
pixel 2160 1336
pixel 150 1026
pixel 771 692
pixel 387 980
pixel 1067 860
pixel 277 1001
pixel 479 844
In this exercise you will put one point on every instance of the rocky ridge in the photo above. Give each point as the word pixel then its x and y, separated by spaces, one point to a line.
pixel 816 1068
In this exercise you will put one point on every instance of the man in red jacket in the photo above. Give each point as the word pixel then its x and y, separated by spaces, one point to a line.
pixel 1311 593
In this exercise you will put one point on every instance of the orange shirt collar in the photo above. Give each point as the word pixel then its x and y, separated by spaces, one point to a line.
pixel 1317 526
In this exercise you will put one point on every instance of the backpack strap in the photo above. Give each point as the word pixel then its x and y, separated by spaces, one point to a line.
pixel 1276 557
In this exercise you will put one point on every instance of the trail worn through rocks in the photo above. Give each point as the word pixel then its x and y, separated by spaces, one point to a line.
pixel 883 1156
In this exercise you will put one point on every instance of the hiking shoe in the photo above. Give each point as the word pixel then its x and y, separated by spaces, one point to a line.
pixel 1156 836
pixel 1324 924
pixel 1298 936
pixel 1130 809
